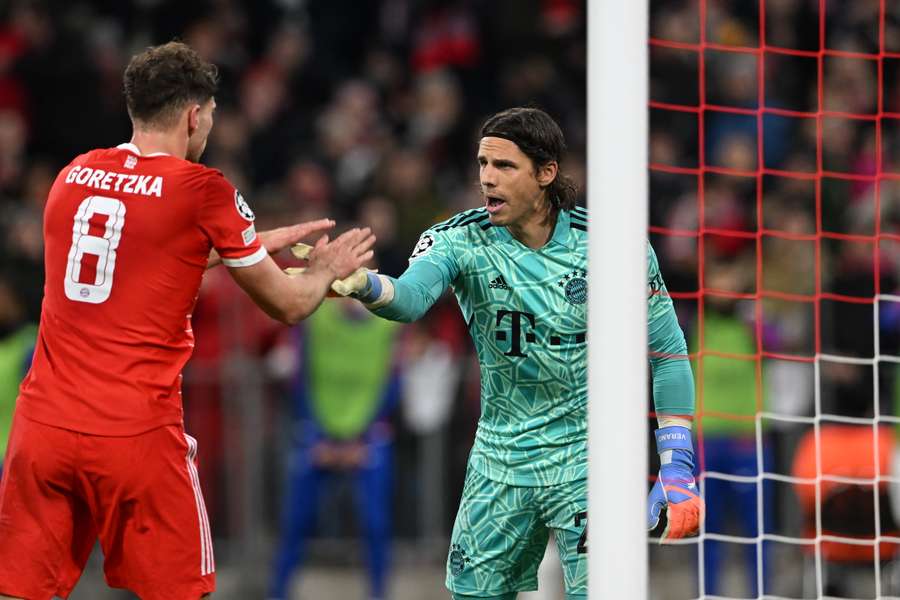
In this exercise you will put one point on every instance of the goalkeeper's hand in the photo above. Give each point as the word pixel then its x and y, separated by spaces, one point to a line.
pixel 358 284
pixel 675 488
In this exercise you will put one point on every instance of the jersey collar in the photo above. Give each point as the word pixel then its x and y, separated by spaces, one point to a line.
pixel 560 231
pixel 130 147
pixel 563 224
pixel 135 150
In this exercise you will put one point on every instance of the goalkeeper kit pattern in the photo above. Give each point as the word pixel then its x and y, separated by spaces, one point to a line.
pixel 526 312
pixel 500 536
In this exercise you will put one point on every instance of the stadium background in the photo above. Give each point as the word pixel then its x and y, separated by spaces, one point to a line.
pixel 363 111
pixel 367 111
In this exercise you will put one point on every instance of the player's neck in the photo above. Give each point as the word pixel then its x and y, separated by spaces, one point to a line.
pixel 159 141
pixel 537 230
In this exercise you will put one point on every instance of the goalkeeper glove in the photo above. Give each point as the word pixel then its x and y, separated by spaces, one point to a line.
pixel 362 284
pixel 675 488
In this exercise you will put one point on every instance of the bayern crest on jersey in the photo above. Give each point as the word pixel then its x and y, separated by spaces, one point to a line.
pixel 575 286
pixel 242 207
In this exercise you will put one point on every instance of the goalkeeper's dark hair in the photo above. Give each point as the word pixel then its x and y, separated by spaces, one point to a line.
pixel 162 80
pixel 540 138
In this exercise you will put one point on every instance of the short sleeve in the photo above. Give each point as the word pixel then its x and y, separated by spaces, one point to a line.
pixel 227 220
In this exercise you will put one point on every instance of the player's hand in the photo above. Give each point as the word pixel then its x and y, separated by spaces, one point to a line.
pixel 276 240
pixel 675 489
pixel 344 255
pixel 354 285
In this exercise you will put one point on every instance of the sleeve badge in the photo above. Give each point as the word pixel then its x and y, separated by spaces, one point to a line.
pixel 423 246
pixel 242 207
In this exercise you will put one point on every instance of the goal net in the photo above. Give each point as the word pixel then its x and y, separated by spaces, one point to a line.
pixel 775 211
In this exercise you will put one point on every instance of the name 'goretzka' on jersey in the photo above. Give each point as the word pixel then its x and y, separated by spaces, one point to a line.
pixel 115 330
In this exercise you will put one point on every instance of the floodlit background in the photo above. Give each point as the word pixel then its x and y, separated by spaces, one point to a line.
pixel 774 154
pixel 362 110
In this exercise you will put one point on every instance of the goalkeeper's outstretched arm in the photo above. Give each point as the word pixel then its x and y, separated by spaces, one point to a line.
pixel 408 297
pixel 432 268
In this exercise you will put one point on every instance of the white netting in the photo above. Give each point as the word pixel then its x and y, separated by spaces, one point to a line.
pixel 775 211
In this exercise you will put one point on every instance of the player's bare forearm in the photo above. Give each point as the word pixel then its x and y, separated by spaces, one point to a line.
pixel 286 299
pixel 291 299
pixel 276 240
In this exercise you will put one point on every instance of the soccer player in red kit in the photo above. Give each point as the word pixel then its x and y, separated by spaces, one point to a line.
pixel 98 448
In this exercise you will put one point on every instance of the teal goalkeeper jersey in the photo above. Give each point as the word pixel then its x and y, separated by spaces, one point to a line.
pixel 673 382
pixel 526 312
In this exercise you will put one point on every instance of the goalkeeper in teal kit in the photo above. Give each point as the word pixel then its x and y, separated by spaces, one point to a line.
pixel 518 268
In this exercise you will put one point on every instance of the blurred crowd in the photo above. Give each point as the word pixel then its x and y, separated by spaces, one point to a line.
pixel 366 112
pixel 791 171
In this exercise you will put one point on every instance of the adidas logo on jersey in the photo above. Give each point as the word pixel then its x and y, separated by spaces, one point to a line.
pixel 499 284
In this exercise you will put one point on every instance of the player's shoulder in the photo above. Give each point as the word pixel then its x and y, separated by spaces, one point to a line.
pixel 578 220
pixel 470 227
pixel 91 156
pixel 192 175
pixel 475 217
pixel 128 157
pixel 194 170
pixel 463 230
pixel 652 260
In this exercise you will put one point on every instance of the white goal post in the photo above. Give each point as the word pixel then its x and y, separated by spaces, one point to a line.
pixel 617 324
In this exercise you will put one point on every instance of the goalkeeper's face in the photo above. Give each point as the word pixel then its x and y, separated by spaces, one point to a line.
pixel 512 188
pixel 197 138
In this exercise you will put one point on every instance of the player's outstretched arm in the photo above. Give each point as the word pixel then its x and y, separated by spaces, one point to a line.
pixel 276 240
pixel 292 299
pixel 408 297
pixel 357 284
pixel 405 299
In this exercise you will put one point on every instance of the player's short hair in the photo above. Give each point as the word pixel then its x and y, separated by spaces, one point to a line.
pixel 162 80
pixel 540 138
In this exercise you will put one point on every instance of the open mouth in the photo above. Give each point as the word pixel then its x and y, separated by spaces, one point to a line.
pixel 494 204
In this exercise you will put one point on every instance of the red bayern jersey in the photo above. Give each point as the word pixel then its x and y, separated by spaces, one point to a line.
pixel 127 238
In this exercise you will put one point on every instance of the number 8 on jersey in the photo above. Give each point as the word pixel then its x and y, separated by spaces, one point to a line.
pixel 103 247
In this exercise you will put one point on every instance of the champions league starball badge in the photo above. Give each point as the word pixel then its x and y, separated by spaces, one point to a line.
pixel 575 286
pixel 423 245
pixel 242 207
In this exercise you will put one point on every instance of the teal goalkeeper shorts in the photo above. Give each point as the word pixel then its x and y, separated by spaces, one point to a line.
pixel 501 533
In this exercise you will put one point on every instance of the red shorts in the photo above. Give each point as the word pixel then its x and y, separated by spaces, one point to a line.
pixel 140 495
